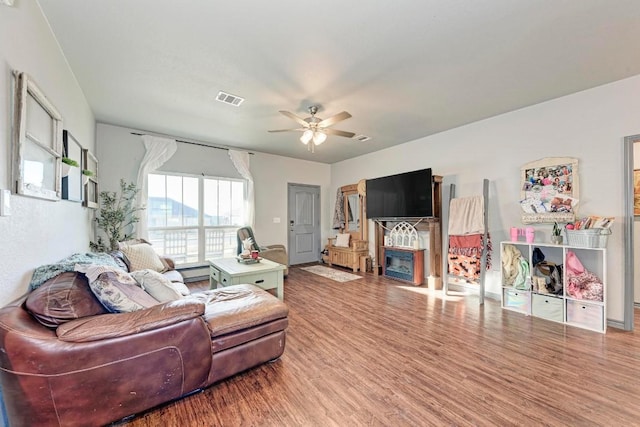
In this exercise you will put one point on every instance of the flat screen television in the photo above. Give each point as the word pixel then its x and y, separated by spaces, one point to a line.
pixel 405 195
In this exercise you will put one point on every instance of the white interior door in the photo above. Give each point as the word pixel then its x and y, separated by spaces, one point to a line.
pixel 304 223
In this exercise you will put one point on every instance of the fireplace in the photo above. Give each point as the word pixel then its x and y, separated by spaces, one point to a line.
pixel 404 264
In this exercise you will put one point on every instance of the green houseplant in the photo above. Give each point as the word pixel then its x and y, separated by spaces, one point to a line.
pixel 86 173
pixel 117 214
pixel 70 162
pixel 67 164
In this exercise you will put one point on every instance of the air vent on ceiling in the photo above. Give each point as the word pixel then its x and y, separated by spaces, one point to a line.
pixel 227 98
pixel 362 138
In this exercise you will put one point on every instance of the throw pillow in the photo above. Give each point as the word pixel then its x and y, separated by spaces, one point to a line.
pixel 116 290
pixel 342 240
pixel 156 285
pixel 61 299
pixel 177 281
pixel 141 256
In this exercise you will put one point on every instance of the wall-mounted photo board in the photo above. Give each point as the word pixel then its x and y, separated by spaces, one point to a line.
pixel 549 190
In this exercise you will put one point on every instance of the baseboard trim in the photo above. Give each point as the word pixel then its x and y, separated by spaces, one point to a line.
pixel 195 279
pixel 615 324
pixel 461 287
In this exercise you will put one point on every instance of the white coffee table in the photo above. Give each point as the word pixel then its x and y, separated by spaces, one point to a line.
pixel 264 274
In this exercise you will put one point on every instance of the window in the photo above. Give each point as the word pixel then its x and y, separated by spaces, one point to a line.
pixel 37 142
pixel 194 218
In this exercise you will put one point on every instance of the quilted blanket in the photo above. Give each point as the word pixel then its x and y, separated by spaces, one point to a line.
pixel 48 271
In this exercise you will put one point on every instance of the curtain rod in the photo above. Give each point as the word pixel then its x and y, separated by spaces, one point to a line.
pixel 192 142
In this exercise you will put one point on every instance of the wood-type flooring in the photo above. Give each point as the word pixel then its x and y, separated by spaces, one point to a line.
pixel 377 352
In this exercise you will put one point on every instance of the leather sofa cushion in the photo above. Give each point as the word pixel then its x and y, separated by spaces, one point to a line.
pixel 115 325
pixel 64 298
pixel 237 307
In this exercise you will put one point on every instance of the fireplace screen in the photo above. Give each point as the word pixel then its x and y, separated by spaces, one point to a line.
pixel 399 264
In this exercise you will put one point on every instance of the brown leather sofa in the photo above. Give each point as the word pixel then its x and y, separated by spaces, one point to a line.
pixel 88 367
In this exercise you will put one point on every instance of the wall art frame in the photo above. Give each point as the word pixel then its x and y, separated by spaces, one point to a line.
pixel 72 188
pixel 90 180
pixel 549 190
pixel 37 142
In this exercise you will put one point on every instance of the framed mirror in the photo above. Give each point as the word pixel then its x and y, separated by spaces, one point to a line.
pixel 37 142
pixel 353 209
pixel 72 166
pixel 352 212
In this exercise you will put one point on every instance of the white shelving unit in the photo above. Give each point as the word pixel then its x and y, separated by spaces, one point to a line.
pixel 562 308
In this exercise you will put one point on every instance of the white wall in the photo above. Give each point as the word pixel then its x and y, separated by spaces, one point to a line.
pixel 636 232
pixel 38 231
pixel 589 125
pixel 271 175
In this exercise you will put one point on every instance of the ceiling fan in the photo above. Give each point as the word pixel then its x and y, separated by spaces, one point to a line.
pixel 316 129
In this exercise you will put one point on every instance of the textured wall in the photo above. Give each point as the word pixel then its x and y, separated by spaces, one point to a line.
pixel 38 231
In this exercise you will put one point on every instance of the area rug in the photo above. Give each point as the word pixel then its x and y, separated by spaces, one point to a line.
pixel 330 273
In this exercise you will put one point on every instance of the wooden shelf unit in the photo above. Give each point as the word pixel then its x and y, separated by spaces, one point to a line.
pixel 562 308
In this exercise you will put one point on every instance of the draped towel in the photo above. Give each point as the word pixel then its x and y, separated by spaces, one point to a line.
pixel 466 216
pixel 465 255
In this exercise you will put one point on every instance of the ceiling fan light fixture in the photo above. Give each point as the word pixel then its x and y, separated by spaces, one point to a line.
pixel 319 138
pixel 307 136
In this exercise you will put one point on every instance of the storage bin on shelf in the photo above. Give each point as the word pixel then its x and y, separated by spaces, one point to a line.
pixel 589 238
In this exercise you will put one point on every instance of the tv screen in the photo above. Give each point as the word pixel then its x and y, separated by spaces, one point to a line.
pixel 405 195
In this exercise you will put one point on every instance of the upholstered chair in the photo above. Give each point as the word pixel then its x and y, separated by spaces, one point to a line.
pixel 275 253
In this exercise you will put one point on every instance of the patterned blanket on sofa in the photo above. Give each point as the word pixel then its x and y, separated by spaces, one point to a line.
pixel 48 271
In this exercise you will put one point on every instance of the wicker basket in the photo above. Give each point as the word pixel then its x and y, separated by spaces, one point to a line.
pixel 590 238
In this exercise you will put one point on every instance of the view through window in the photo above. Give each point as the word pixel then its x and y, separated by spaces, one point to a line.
pixel 194 218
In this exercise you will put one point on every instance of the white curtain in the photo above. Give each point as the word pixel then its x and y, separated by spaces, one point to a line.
pixel 159 150
pixel 240 160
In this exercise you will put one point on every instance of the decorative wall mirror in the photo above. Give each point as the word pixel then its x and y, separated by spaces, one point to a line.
pixel 352 205
pixel 352 212
pixel 37 142
pixel 72 166
pixel 549 190
pixel 90 180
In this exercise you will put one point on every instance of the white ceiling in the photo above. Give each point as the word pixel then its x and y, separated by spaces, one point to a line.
pixel 404 69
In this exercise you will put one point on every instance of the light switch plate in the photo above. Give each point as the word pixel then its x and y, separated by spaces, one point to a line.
pixel 276 220
pixel 5 202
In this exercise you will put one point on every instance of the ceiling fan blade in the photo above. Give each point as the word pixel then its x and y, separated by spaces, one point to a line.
pixel 329 131
pixel 286 130
pixel 334 119
pixel 294 117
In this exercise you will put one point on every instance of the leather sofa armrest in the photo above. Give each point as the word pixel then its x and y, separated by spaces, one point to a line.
pixel 113 325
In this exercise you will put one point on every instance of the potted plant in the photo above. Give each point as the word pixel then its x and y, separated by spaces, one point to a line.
pixel 117 215
pixel 556 234
pixel 67 164
pixel 86 173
